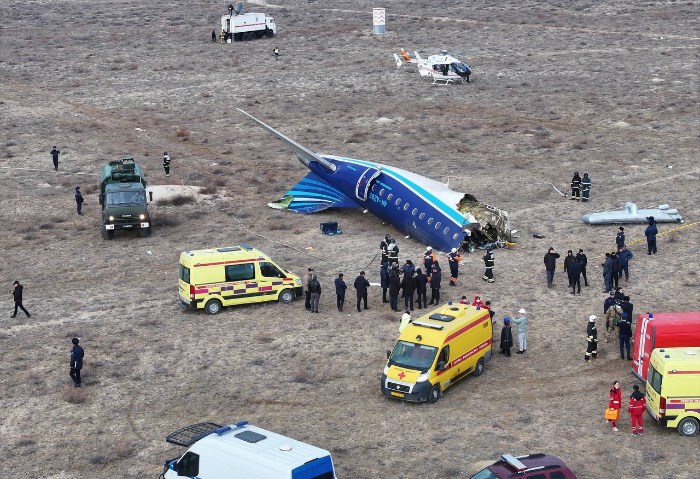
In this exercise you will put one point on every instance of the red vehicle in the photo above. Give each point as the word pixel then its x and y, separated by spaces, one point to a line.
pixel 662 330
pixel 532 466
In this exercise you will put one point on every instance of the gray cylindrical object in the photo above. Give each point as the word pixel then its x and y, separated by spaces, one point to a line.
pixel 379 20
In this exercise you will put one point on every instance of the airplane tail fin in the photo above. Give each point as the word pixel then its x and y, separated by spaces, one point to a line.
pixel 405 56
pixel 398 60
pixel 313 194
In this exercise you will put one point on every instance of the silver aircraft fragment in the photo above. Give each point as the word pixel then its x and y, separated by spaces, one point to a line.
pixel 631 214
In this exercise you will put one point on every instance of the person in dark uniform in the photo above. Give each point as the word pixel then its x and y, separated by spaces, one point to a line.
pixel 627 308
pixel 550 264
pixel 384 249
pixel 620 237
pixel 453 259
pixel 625 256
pixel 576 187
pixel 435 279
pixel 609 301
pixel 394 287
pixel 307 292
pixel 276 51
pixel 76 362
pixel 17 295
pixel 625 335
pixel 567 263
pixel 315 289
pixel 583 261
pixel 575 275
pixel 616 269
pixel 651 233
pixel 213 36
pixel 489 261
pixel 506 337
pixel 585 187
pixel 384 279
pixel 79 200
pixel 361 284
pixel 408 285
pixel 166 163
pixel 421 281
pixel 54 156
pixel 608 273
pixel 592 333
pixel 340 288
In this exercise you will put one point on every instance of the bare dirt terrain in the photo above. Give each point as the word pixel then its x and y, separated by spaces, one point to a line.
pixel 604 87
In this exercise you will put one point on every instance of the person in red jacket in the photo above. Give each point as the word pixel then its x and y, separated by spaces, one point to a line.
pixel 636 409
pixel 478 302
pixel 615 402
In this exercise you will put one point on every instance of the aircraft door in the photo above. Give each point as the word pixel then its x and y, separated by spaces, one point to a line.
pixel 365 182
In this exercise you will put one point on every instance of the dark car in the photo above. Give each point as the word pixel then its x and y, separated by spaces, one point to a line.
pixel 532 466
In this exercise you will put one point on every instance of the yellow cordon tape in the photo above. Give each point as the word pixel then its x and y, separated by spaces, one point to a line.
pixel 666 232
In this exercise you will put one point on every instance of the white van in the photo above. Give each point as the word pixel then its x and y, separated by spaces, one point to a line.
pixel 241 450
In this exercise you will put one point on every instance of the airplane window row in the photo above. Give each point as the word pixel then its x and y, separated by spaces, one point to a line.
pixel 414 212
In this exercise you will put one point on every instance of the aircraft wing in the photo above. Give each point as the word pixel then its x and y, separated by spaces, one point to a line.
pixel 313 194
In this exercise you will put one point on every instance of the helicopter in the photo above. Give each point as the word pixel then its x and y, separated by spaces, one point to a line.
pixel 441 68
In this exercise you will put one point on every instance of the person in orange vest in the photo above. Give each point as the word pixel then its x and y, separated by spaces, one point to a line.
pixel 638 404
pixel 615 402
pixel 453 259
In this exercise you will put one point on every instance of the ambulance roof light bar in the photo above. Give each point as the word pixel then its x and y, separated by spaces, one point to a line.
pixel 427 325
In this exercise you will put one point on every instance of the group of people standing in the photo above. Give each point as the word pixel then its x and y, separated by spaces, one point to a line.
pixel 574 267
pixel 580 187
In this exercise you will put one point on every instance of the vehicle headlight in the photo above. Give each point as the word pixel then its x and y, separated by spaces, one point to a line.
pixel 386 370
pixel 111 218
pixel 142 217
pixel 423 377
pixel 298 281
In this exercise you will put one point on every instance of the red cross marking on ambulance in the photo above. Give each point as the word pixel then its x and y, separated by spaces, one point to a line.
pixel 402 375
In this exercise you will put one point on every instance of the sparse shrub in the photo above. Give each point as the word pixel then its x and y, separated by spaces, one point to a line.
pixel 672 237
pixel 209 189
pixel 183 133
pixel 46 226
pixel 264 338
pixel 166 221
pixel 29 237
pixel 206 94
pixel 177 200
pixel 303 376
pixel 74 395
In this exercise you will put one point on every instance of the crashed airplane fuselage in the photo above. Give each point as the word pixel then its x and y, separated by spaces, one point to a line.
pixel 425 209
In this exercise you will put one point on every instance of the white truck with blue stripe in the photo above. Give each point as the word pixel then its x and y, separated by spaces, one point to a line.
pixel 241 450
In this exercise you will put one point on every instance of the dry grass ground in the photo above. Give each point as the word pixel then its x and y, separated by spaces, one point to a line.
pixel 608 88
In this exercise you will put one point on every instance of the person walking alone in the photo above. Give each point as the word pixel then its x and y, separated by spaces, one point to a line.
pixel 76 362
pixel 636 408
pixel 651 233
pixel 54 156
pixel 620 238
pixel 361 284
pixel 592 336
pixel 315 290
pixel 489 261
pixel 506 337
pixel 615 403
pixel 550 264
pixel 79 200
pixel 340 288
pixel 166 163
pixel 521 321
pixel 17 296
pixel 276 52
pixel 213 36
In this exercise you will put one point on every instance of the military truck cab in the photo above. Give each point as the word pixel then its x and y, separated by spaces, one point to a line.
pixel 245 451
pixel 123 198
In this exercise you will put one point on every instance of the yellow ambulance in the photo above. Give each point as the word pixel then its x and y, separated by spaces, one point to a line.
pixel 673 388
pixel 437 350
pixel 214 278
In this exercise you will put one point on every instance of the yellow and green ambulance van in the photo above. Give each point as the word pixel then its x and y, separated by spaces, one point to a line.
pixel 210 279
pixel 673 388
pixel 437 350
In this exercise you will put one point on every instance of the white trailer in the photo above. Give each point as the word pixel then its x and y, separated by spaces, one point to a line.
pixel 247 26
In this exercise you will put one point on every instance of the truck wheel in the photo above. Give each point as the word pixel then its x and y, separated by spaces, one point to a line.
pixel 688 427
pixel 270 34
pixel 479 368
pixel 145 232
pixel 213 306
pixel 434 394
pixel 286 296
pixel 107 234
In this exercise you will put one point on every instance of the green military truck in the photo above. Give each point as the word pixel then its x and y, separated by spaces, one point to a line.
pixel 123 198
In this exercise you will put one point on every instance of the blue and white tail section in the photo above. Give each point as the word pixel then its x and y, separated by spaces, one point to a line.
pixel 313 194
